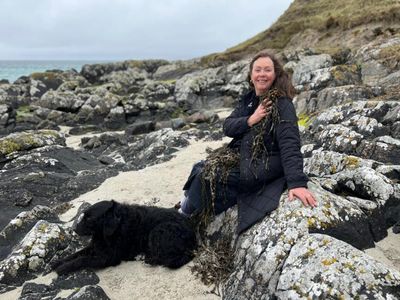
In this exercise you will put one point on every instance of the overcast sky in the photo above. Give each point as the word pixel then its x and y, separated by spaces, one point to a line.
pixel 129 29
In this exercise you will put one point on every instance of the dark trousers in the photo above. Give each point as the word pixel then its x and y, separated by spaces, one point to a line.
pixel 199 196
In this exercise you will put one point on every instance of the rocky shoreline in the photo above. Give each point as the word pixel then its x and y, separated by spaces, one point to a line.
pixel 143 113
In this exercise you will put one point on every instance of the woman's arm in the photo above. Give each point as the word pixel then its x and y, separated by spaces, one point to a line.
pixel 235 124
pixel 288 138
pixel 238 122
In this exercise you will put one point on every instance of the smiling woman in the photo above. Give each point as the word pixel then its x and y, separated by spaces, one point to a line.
pixel 263 158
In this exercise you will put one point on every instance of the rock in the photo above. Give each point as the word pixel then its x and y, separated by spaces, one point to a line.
pixel 153 148
pixel 88 293
pixel 392 80
pixel 333 96
pixel 7 117
pixel 24 141
pixel 140 127
pixel 115 119
pixel 372 71
pixel 339 138
pixel 32 290
pixel 314 66
pixel 275 254
pixel 61 173
pixel 82 129
pixel 203 117
pixel 322 163
pixel 322 267
pixel 366 183
pixel 175 70
pixel 17 228
pixel 130 80
pixel 93 72
pixel 32 254
pixel 63 101
pixel 385 149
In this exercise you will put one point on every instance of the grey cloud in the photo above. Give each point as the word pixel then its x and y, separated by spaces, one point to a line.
pixel 121 29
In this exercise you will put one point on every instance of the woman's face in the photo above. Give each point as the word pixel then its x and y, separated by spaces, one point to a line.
pixel 262 74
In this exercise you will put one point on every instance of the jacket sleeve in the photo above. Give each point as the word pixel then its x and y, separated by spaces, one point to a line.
pixel 235 125
pixel 288 138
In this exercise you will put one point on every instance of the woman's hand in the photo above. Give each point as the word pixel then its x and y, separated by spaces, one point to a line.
pixel 263 110
pixel 304 195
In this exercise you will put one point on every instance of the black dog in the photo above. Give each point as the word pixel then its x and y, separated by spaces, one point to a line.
pixel 121 232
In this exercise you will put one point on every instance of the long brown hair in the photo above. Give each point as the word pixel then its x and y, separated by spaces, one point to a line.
pixel 282 80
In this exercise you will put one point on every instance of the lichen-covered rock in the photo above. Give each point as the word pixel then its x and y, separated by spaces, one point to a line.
pixel 261 251
pixel 93 72
pixel 7 118
pixel 64 101
pixel 333 96
pixel 384 148
pixel 321 267
pixel 153 148
pixel 24 141
pixel 193 89
pixel 21 224
pixel 339 138
pixel 312 70
pixel 367 183
pixel 130 80
pixel 35 250
pixel 322 163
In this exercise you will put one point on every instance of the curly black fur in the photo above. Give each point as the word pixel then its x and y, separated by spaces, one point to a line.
pixel 121 232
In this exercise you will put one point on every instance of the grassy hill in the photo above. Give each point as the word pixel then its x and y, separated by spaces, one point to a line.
pixel 320 24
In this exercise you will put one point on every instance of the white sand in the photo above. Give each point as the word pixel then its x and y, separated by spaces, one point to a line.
pixel 161 183
pixel 387 250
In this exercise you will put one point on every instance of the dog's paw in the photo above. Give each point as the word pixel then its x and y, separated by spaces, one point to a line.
pixel 396 228
pixel 55 264
pixel 64 269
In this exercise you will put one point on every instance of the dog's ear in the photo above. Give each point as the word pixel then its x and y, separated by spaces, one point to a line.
pixel 111 220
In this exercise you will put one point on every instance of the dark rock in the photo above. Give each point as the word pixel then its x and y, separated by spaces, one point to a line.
pixel 106 160
pixel 75 280
pixel 46 124
pixel 62 174
pixel 140 127
pixel 395 130
pixel 78 130
pixel 202 117
pixel 34 291
pixel 104 143
pixel 115 119
pixel 94 71
pixel 89 293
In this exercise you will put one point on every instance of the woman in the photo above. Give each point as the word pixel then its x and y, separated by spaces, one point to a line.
pixel 263 157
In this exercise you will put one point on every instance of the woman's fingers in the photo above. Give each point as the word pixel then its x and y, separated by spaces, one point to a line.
pixel 291 198
pixel 304 195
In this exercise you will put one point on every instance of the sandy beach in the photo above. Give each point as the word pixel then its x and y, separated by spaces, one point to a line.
pixel 159 185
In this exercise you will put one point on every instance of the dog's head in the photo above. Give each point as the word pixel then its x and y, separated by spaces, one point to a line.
pixel 99 219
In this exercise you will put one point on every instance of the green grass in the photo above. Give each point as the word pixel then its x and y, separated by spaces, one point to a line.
pixel 324 16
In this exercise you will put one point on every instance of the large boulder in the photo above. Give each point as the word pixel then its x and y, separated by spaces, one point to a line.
pixel 272 257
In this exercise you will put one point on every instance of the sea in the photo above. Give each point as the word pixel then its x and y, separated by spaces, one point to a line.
pixel 13 69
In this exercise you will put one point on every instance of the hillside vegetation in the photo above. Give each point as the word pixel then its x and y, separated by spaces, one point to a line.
pixel 325 21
